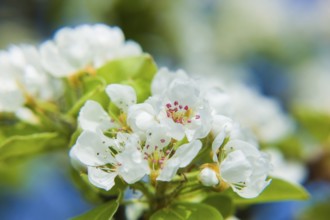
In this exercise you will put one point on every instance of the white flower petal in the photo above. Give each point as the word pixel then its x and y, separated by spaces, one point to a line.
pixel 141 117
pixel 123 96
pixel 174 130
pixel 221 124
pixel 132 166
pixel 199 128
pixel 247 148
pixel 157 138
pixel 93 117
pixel 164 78
pixel 185 92
pixel 187 152
pixel 252 189
pixel 219 100
pixel 292 171
pixel 11 98
pixel 75 162
pixel 130 48
pixel 169 170
pixel 235 167
pixel 100 178
pixel 92 149
pixel 181 158
pixel 53 61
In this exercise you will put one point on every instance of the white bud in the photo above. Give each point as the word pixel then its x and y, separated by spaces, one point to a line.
pixel 208 177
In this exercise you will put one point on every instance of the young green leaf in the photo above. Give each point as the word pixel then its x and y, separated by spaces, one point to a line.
pixel 222 203
pixel 137 72
pixel 278 190
pixel 92 88
pixel 23 146
pixel 141 67
pixel 103 212
pixel 317 123
pixel 187 211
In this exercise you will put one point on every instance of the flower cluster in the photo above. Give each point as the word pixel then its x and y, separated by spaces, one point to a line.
pixel 164 134
pixel 170 139
pixel 28 72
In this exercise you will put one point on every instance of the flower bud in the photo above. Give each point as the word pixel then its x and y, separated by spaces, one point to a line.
pixel 208 177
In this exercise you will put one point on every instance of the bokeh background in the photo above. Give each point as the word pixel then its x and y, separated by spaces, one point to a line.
pixel 280 49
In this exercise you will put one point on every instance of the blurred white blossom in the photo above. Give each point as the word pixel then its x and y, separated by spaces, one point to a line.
pixel 74 49
pixel 289 170
pixel 23 76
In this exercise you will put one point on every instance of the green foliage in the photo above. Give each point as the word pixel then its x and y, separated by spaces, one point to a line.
pixel 222 203
pixel 187 211
pixel 278 190
pixel 14 175
pixel 11 126
pixel 102 212
pixel 291 147
pixel 317 123
pixel 135 71
pixel 318 211
pixel 139 67
pixel 94 89
pixel 16 147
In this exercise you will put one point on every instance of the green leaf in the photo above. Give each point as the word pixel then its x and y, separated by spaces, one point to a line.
pixel 317 123
pixel 11 126
pixel 22 146
pixel 187 211
pixel 278 190
pixel 93 91
pixel 102 212
pixel 74 137
pixel 135 71
pixel 140 67
pixel 15 174
pixel 222 203
pixel 319 211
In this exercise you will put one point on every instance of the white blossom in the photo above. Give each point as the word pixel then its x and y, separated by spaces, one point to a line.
pixel 22 75
pixel 243 167
pixel 163 159
pixel 263 115
pixel 181 158
pixel 180 108
pixel 224 127
pixel 74 49
pixel 289 170
pixel 310 91
pixel 11 98
pixel 107 158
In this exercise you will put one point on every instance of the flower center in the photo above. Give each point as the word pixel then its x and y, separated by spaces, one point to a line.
pixel 156 158
pixel 179 113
